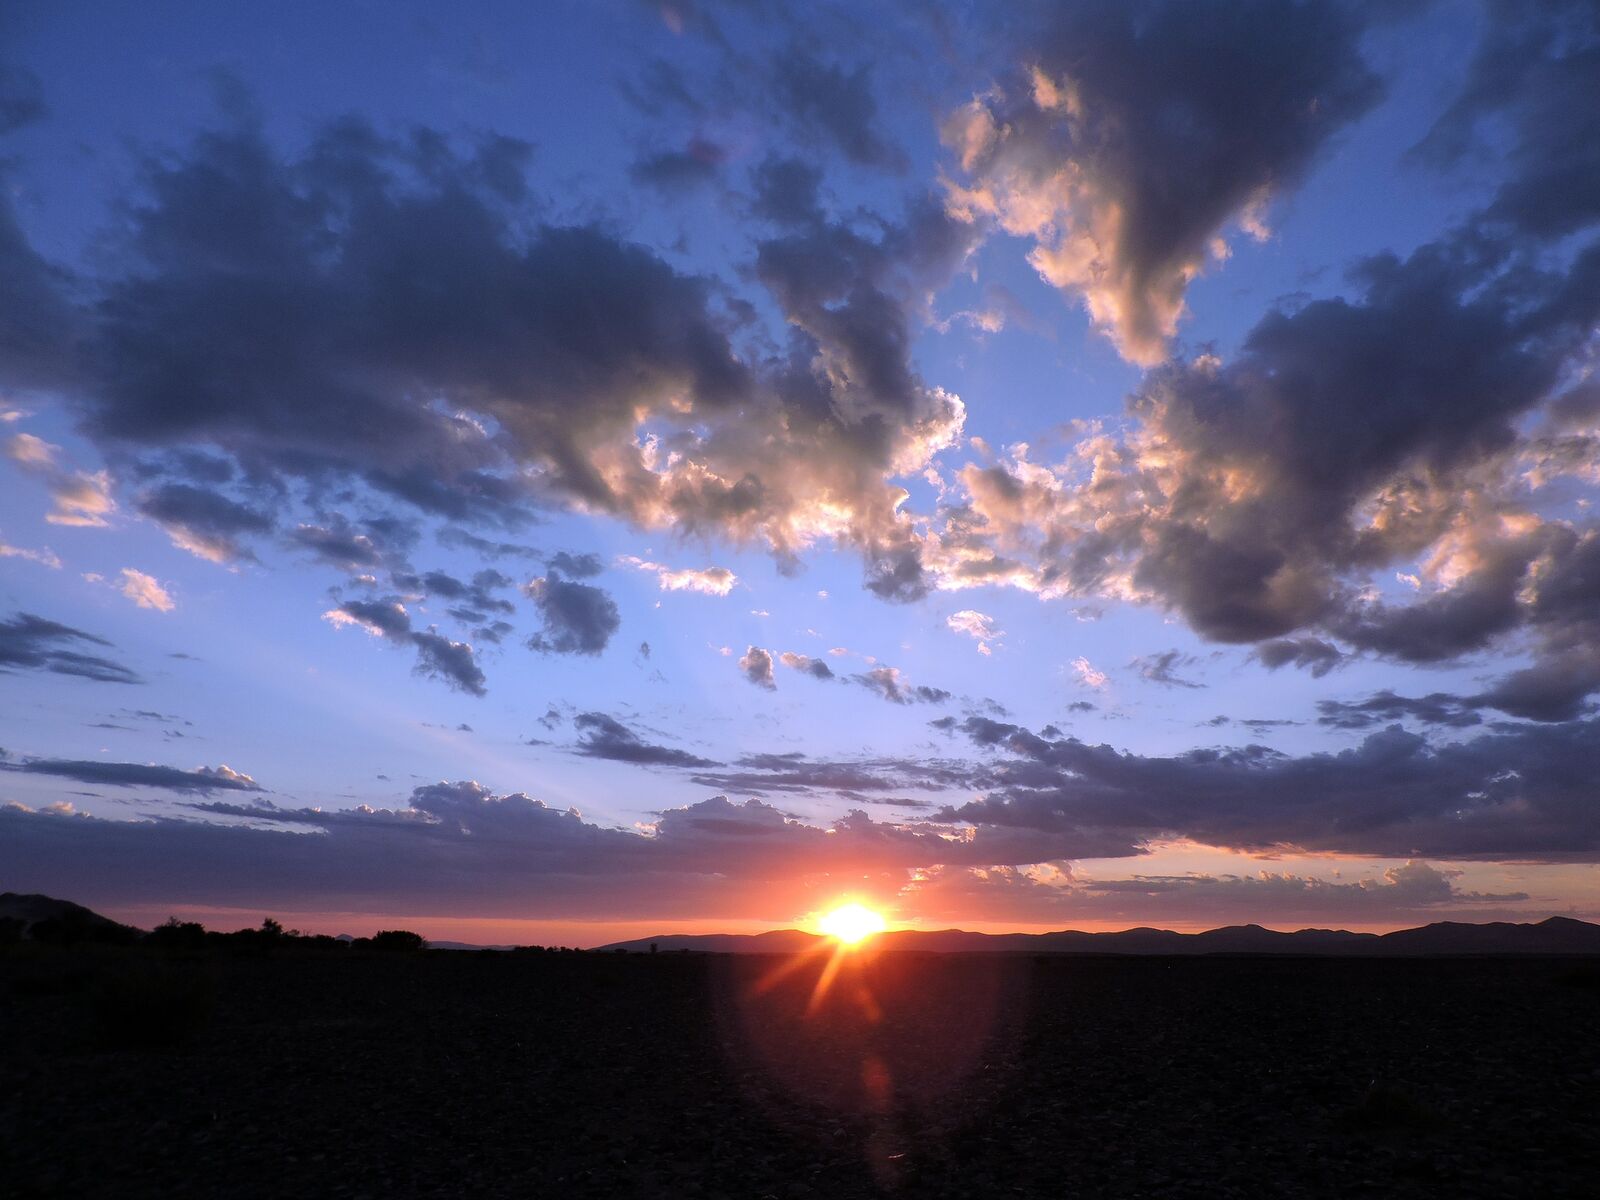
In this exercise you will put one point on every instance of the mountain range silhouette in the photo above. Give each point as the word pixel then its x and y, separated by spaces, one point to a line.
pixel 1557 935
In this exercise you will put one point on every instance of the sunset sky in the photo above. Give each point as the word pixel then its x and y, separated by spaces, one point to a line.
pixel 561 472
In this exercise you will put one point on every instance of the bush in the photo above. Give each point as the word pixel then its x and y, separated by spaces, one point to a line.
pixel 401 940
pixel 177 935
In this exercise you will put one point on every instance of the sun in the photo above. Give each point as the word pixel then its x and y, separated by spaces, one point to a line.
pixel 851 923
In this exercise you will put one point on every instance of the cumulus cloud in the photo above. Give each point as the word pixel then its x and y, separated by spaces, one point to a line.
pixel 1133 136
pixel 32 643
pixel 323 305
pixel 806 665
pixel 579 618
pixel 756 664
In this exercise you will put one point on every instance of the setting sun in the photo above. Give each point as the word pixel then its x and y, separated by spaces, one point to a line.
pixel 851 923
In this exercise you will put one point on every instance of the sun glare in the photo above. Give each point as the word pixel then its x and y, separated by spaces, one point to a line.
pixel 851 923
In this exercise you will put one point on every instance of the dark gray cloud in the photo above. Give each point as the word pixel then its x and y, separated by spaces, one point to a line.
pixel 437 656
pixel 451 536
pixel 606 737
pixel 1436 708
pixel 798 773
pixel 460 849
pixel 207 523
pixel 1514 792
pixel 32 643
pixel 579 618
pixel 1535 72
pixel 579 566
pixel 1163 668
pixel 339 545
pixel 787 191
pixel 200 781
pixel 837 104
pixel 1308 653
pixel 696 164
pixel 1143 130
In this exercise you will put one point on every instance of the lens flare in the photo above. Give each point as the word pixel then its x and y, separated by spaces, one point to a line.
pixel 851 923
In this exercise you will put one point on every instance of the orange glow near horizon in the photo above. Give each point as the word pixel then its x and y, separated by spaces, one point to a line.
pixel 851 924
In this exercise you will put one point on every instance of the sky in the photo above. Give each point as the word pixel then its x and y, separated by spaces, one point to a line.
pixel 568 472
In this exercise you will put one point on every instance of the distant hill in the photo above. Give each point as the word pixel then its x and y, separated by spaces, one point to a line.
pixel 1558 935
pixel 45 918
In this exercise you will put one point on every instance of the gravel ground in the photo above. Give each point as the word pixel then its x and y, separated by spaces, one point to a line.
pixel 125 1072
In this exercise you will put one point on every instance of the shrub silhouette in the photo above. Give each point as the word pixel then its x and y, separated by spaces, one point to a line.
pixel 401 940
pixel 177 935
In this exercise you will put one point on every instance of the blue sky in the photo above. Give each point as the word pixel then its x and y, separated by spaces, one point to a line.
pixel 499 433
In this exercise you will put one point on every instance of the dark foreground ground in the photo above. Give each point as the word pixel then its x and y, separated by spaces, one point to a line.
pixel 131 1072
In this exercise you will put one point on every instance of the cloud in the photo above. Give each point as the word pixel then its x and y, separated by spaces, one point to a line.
pixel 1309 653
pixel 892 686
pixel 437 656
pixel 579 566
pixel 44 556
pixel 270 312
pixel 708 581
pixel 696 164
pixel 459 848
pixel 338 545
pixel 806 665
pixel 1088 674
pixel 81 498
pixel 1532 62
pixel 1436 708
pixel 206 523
pixel 756 664
pixel 1514 792
pixel 145 591
pixel 838 105
pixel 200 781
pixel 1133 137
pixel 33 643
pixel 606 737
pixel 1414 891
pixel 579 618
pixel 1163 668
pixel 975 625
